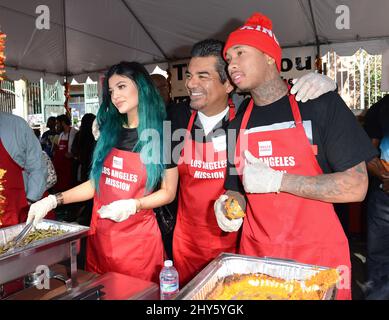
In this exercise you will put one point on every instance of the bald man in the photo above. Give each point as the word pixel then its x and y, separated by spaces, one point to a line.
pixel 163 87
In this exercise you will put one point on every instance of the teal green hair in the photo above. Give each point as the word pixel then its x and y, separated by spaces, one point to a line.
pixel 151 114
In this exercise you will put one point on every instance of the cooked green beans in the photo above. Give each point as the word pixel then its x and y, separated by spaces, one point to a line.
pixel 35 235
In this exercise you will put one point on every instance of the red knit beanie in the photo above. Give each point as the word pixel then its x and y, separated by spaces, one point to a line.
pixel 256 32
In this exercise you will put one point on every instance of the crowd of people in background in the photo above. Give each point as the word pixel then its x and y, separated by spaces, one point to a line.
pixel 68 155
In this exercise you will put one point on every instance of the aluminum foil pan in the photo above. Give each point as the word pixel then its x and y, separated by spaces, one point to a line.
pixel 71 231
pixel 228 264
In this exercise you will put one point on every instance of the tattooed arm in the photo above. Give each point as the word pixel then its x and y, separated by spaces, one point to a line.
pixel 346 186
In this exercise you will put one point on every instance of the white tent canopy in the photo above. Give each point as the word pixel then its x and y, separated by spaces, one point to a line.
pixel 86 36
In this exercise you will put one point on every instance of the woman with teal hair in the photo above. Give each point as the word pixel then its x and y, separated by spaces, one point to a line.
pixel 127 180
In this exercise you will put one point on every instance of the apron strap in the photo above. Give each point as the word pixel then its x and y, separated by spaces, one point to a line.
pixel 232 109
pixel 190 125
pixel 295 107
pixel 243 126
pixel 188 130
pixel 295 110
pixel 247 115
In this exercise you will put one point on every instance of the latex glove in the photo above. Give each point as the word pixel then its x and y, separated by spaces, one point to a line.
pixel 224 223
pixel 95 129
pixel 258 177
pixel 119 210
pixel 312 85
pixel 39 209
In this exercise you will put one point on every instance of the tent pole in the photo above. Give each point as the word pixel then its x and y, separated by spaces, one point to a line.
pixel 65 48
pixel 368 81
pixel 362 81
pixel 318 61
pixel 375 78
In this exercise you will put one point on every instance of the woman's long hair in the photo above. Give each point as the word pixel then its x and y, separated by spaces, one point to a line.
pixel 151 113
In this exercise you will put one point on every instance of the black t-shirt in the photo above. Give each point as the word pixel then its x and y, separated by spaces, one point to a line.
pixel 127 139
pixel 377 119
pixel 328 123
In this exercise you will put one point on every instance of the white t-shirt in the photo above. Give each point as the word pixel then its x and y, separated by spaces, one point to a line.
pixel 209 123
pixel 68 136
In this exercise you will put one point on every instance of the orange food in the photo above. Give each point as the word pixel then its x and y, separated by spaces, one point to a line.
pixel 264 287
pixel 233 209
pixel 324 279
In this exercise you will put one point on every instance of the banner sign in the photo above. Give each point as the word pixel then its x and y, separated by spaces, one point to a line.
pixel 177 72
pixel 295 63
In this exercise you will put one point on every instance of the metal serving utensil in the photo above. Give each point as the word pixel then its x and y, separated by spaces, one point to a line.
pixel 22 234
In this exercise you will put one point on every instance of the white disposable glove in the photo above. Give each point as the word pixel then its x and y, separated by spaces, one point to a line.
pixel 312 85
pixel 119 210
pixel 258 177
pixel 224 223
pixel 95 129
pixel 39 209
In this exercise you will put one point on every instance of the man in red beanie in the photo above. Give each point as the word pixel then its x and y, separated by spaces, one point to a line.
pixel 291 160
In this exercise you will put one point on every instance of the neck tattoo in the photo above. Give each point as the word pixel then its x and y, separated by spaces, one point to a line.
pixel 269 92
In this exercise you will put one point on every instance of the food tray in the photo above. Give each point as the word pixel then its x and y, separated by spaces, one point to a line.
pixel 227 264
pixel 19 261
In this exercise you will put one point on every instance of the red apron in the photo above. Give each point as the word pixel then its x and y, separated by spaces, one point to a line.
pixel 63 166
pixel 197 237
pixel 284 225
pixel 16 206
pixel 133 247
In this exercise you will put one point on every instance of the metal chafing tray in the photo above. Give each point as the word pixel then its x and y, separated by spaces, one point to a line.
pixel 227 264
pixel 20 261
